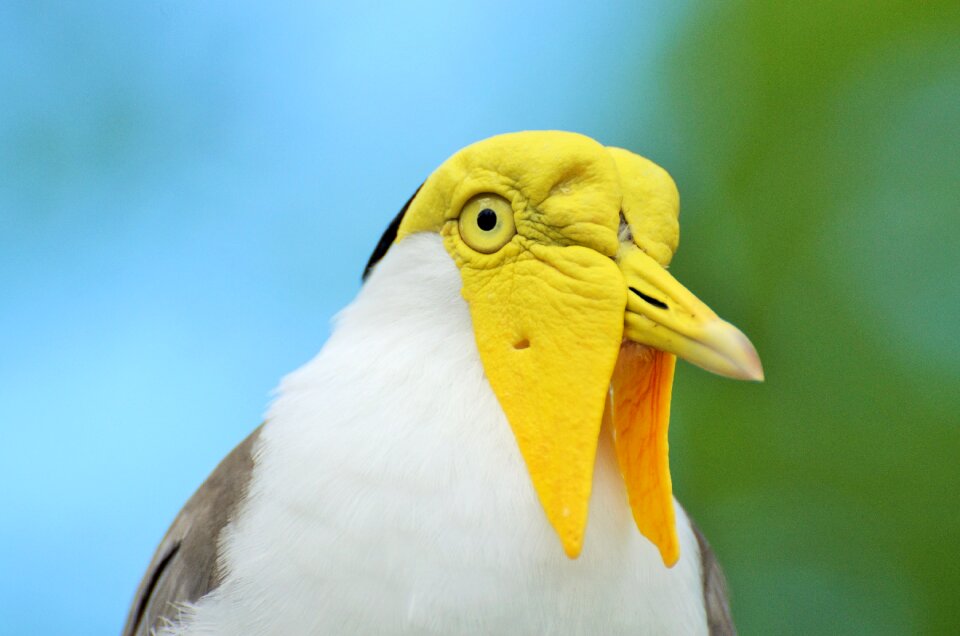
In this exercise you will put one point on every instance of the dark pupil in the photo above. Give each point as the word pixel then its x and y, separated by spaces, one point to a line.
pixel 487 219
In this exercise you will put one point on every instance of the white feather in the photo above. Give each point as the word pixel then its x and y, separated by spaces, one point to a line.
pixel 389 496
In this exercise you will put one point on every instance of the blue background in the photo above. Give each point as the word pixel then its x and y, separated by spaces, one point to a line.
pixel 189 192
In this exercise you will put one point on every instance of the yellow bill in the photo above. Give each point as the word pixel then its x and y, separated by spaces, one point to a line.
pixel 663 314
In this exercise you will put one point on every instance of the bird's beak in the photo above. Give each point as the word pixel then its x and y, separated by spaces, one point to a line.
pixel 663 314
pixel 663 319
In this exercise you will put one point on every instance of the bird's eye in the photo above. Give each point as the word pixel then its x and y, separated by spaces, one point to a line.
pixel 486 222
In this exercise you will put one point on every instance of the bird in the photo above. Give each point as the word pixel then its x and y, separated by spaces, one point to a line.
pixel 502 378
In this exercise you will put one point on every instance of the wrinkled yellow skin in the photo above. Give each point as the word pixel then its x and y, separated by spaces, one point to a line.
pixel 567 184
pixel 548 308
pixel 651 204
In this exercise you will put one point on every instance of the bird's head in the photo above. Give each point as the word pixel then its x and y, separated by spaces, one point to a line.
pixel 562 246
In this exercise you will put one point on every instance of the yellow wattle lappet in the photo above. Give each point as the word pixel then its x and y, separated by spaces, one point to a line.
pixel 514 341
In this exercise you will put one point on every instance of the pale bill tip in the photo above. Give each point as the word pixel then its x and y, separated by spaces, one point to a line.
pixel 743 362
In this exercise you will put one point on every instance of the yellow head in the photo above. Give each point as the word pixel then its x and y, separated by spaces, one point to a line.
pixel 561 245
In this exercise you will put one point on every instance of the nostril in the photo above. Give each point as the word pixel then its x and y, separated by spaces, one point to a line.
pixel 650 299
pixel 523 344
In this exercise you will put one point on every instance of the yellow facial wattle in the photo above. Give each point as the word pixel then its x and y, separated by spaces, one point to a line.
pixel 561 245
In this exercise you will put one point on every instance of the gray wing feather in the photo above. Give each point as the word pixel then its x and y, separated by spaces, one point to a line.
pixel 715 597
pixel 185 566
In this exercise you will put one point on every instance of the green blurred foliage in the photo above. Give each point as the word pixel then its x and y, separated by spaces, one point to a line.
pixel 817 149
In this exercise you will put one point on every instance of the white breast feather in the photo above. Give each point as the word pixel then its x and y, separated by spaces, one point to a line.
pixel 389 496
